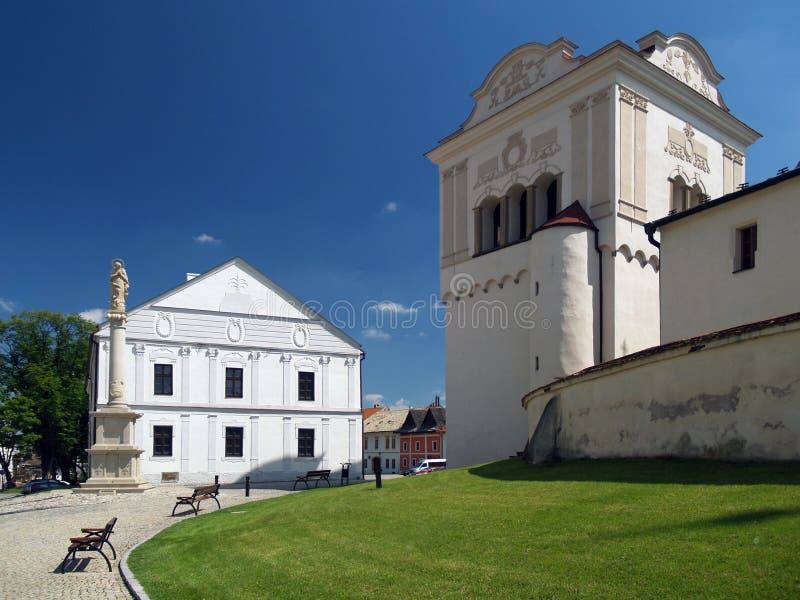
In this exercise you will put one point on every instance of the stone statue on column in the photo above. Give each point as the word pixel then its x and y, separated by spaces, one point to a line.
pixel 114 456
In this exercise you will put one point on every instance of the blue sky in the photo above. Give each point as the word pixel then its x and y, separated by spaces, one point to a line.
pixel 293 135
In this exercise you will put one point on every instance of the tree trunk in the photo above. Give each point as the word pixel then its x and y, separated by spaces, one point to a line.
pixel 11 481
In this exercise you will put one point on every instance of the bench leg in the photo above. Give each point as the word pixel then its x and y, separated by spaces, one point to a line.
pixel 64 562
pixel 328 481
pixel 175 507
pixel 218 505
pixel 195 507
pixel 108 562
pixel 112 549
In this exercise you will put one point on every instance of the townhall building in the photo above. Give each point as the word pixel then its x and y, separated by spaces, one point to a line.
pixel 235 377
pixel 546 264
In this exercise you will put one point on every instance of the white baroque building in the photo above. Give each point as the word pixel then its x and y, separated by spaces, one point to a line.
pixel 544 193
pixel 234 376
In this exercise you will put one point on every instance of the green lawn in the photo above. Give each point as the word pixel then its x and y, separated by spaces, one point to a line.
pixel 640 528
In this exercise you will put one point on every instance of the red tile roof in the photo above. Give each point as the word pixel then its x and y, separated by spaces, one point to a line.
pixel 572 216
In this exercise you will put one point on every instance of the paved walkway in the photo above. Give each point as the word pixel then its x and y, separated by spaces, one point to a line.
pixel 35 532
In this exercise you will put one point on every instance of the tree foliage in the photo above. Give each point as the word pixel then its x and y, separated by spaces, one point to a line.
pixel 18 425
pixel 43 358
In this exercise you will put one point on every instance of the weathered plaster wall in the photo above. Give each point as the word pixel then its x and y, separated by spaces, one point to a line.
pixel 733 399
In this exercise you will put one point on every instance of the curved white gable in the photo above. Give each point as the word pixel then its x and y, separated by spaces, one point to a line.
pixel 518 74
pixel 686 60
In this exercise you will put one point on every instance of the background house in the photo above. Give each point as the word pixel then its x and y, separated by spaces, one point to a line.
pixel 382 440
pixel 422 435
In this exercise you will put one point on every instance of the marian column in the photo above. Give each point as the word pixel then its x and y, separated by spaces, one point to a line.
pixel 114 456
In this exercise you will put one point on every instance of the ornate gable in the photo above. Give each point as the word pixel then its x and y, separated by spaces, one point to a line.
pixel 520 73
pixel 686 60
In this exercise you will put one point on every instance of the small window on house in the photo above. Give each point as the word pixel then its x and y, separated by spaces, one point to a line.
pixel 746 246
pixel 405 463
pixel 405 446
pixel 162 440
pixel 394 463
pixel 365 443
pixel 376 442
pixel 414 462
pixel 234 441
pixel 305 386
pixel 434 445
pixel 497 225
pixel 416 446
pixel 393 443
pixel 162 380
pixel 305 443
pixel 365 464
pixel 387 443
pixel 387 463
pixel 552 199
pixel 523 216
pixel 233 382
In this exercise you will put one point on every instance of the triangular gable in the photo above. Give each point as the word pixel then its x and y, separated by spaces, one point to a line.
pixel 237 287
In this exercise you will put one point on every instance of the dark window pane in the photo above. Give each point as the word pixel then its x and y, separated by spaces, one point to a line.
pixel 234 441
pixel 305 442
pixel 162 380
pixel 496 225
pixel 523 215
pixel 305 386
pixel 233 382
pixel 162 440
pixel 552 200
pixel 747 249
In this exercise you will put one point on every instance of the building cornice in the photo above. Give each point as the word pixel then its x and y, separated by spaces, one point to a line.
pixel 614 58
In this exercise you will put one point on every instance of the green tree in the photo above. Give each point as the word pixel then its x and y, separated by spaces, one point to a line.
pixel 43 358
pixel 18 424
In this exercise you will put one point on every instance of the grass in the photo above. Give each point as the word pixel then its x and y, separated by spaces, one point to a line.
pixel 16 490
pixel 638 528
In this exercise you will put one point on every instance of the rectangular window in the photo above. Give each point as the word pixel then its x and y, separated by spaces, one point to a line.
pixel 414 462
pixel 233 382
pixel 305 442
pixel 234 441
pixel 376 443
pixel 365 443
pixel 387 443
pixel 416 446
pixel 387 463
pixel 405 463
pixel 162 440
pixel 162 380
pixel 393 443
pixel 305 386
pixel 394 463
pixel 405 446
pixel 746 246
pixel 435 445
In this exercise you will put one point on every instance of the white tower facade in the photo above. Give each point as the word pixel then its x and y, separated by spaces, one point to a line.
pixel 544 193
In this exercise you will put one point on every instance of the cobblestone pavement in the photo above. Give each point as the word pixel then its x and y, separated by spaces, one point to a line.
pixel 35 532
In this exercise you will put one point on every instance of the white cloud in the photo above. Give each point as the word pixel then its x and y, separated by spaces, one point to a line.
pixel 390 207
pixel 375 334
pixel 372 398
pixel 95 315
pixel 204 238
pixel 400 404
pixel 396 307
pixel 7 305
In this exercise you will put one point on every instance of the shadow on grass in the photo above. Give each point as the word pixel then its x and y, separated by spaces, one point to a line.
pixel 667 471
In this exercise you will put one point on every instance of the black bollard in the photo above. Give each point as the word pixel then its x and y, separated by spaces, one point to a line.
pixel 216 479
pixel 247 486
pixel 376 468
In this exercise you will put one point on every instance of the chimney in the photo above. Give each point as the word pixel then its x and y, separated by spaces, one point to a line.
pixel 190 276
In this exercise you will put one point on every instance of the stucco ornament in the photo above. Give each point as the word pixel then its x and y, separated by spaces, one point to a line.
pixel 681 65
pixel 235 330
pixel 163 325
pixel 522 75
pixel 300 336
pixel 119 285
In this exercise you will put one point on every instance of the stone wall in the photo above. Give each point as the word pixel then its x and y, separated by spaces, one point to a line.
pixel 732 396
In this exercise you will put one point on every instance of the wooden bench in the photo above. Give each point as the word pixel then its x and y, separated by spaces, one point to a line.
pixel 204 492
pixel 93 541
pixel 321 475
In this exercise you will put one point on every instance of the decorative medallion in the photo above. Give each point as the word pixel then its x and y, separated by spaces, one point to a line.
pixel 235 330
pixel 164 325
pixel 515 151
pixel 300 336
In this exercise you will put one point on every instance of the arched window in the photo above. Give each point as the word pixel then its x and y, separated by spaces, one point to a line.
pixel 523 215
pixel 547 200
pixel 552 199
pixel 497 226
